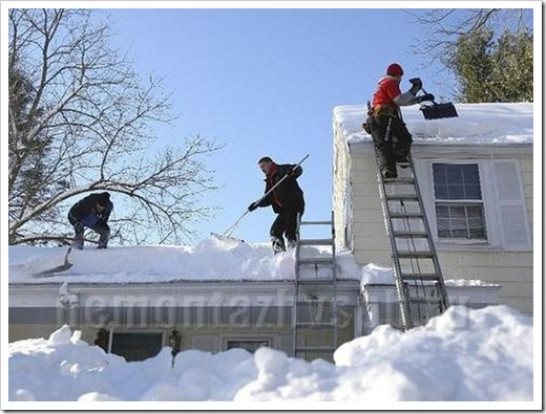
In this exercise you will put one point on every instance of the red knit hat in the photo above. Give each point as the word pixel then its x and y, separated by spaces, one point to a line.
pixel 395 69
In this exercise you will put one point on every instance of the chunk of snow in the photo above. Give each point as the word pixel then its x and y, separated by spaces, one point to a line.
pixel 61 336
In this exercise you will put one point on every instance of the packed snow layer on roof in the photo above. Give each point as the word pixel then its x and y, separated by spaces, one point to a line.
pixel 463 355
pixel 211 259
pixel 373 274
pixel 477 124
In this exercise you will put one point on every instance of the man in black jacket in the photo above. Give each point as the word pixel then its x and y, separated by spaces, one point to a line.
pixel 93 212
pixel 286 200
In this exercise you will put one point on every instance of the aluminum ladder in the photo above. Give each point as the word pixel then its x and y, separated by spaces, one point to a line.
pixel 418 277
pixel 314 310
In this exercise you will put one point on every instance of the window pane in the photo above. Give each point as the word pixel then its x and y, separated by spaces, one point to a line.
pixel 471 174
pixel 442 211
pixel 439 172
pixel 456 211
pixel 459 234
pixel 444 234
pixel 454 174
pixel 455 192
pixel 473 191
pixel 457 181
pixel 474 211
pixel 440 191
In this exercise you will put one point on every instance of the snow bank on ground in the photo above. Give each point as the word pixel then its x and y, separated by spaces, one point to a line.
pixel 481 124
pixel 211 259
pixel 465 354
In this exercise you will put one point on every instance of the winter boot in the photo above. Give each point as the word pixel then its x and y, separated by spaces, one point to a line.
pixel 389 172
pixel 292 244
pixel 278 245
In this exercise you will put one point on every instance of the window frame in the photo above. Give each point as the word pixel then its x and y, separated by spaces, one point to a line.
pixel 425 173
pixel 460 202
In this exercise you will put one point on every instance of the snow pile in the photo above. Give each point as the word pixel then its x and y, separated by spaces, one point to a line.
pixel 481 124
pixel 465 354
pixel 210 259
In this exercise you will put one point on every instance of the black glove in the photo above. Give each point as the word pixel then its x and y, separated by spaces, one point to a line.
pixel 416 85
pixel 425 97
pixel 252 207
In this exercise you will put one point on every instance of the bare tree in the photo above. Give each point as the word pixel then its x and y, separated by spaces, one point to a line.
pixel 80 119
pixel 442 28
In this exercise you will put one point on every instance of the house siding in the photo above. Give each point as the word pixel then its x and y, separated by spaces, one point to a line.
pixel 369 242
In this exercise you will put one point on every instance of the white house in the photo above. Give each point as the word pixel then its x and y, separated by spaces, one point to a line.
pixel 475 173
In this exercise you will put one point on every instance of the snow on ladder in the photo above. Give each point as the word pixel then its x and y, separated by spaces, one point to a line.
pixel 314 311
pixel 418 276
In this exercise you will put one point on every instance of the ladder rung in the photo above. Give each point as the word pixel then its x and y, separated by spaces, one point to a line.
pixel 419 276
pixel 315 260
pixel 420 234
pixel 316 242
pixel 315 349
pixel 406 215
pixel 312 223
pixel 401 197
pixel 416 255
pixel 399 180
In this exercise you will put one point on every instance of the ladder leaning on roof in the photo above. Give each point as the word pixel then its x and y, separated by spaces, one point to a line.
pixel 418 277
pixel 314 311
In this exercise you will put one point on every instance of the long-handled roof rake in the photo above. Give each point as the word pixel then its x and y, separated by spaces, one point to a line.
pixel 227 234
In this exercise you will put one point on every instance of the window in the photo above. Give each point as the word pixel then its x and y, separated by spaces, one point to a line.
pixel 458 202
pixel 137 346
pixel 250 346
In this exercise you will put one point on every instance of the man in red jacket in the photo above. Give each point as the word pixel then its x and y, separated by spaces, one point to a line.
pixel 392 138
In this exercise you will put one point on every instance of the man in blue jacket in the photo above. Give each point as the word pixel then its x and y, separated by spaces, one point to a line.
pixel 93 212
pixel 286 200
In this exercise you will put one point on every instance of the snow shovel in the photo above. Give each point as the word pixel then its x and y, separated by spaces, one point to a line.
pixel 227 234
pixel 438 110
pixel 61 268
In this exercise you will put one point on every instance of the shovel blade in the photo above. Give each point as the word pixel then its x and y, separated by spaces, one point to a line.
pixel 226 238
pixel 437 111
pixel 51 272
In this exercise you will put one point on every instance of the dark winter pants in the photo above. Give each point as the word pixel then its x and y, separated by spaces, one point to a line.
pixel 286 224
pixel 395 146
pixel 102 229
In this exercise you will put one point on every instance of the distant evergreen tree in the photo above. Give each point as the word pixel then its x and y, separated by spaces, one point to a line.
pixel 494 71
pixel 513 67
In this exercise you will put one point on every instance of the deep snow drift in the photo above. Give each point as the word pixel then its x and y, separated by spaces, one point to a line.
pixel 465 354
pixel 477 124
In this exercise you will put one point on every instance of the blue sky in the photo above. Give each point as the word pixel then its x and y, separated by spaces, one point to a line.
pixel 265 82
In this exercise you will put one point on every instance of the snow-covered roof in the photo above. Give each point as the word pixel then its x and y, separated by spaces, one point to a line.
pixel 477 124
pixel 208 260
